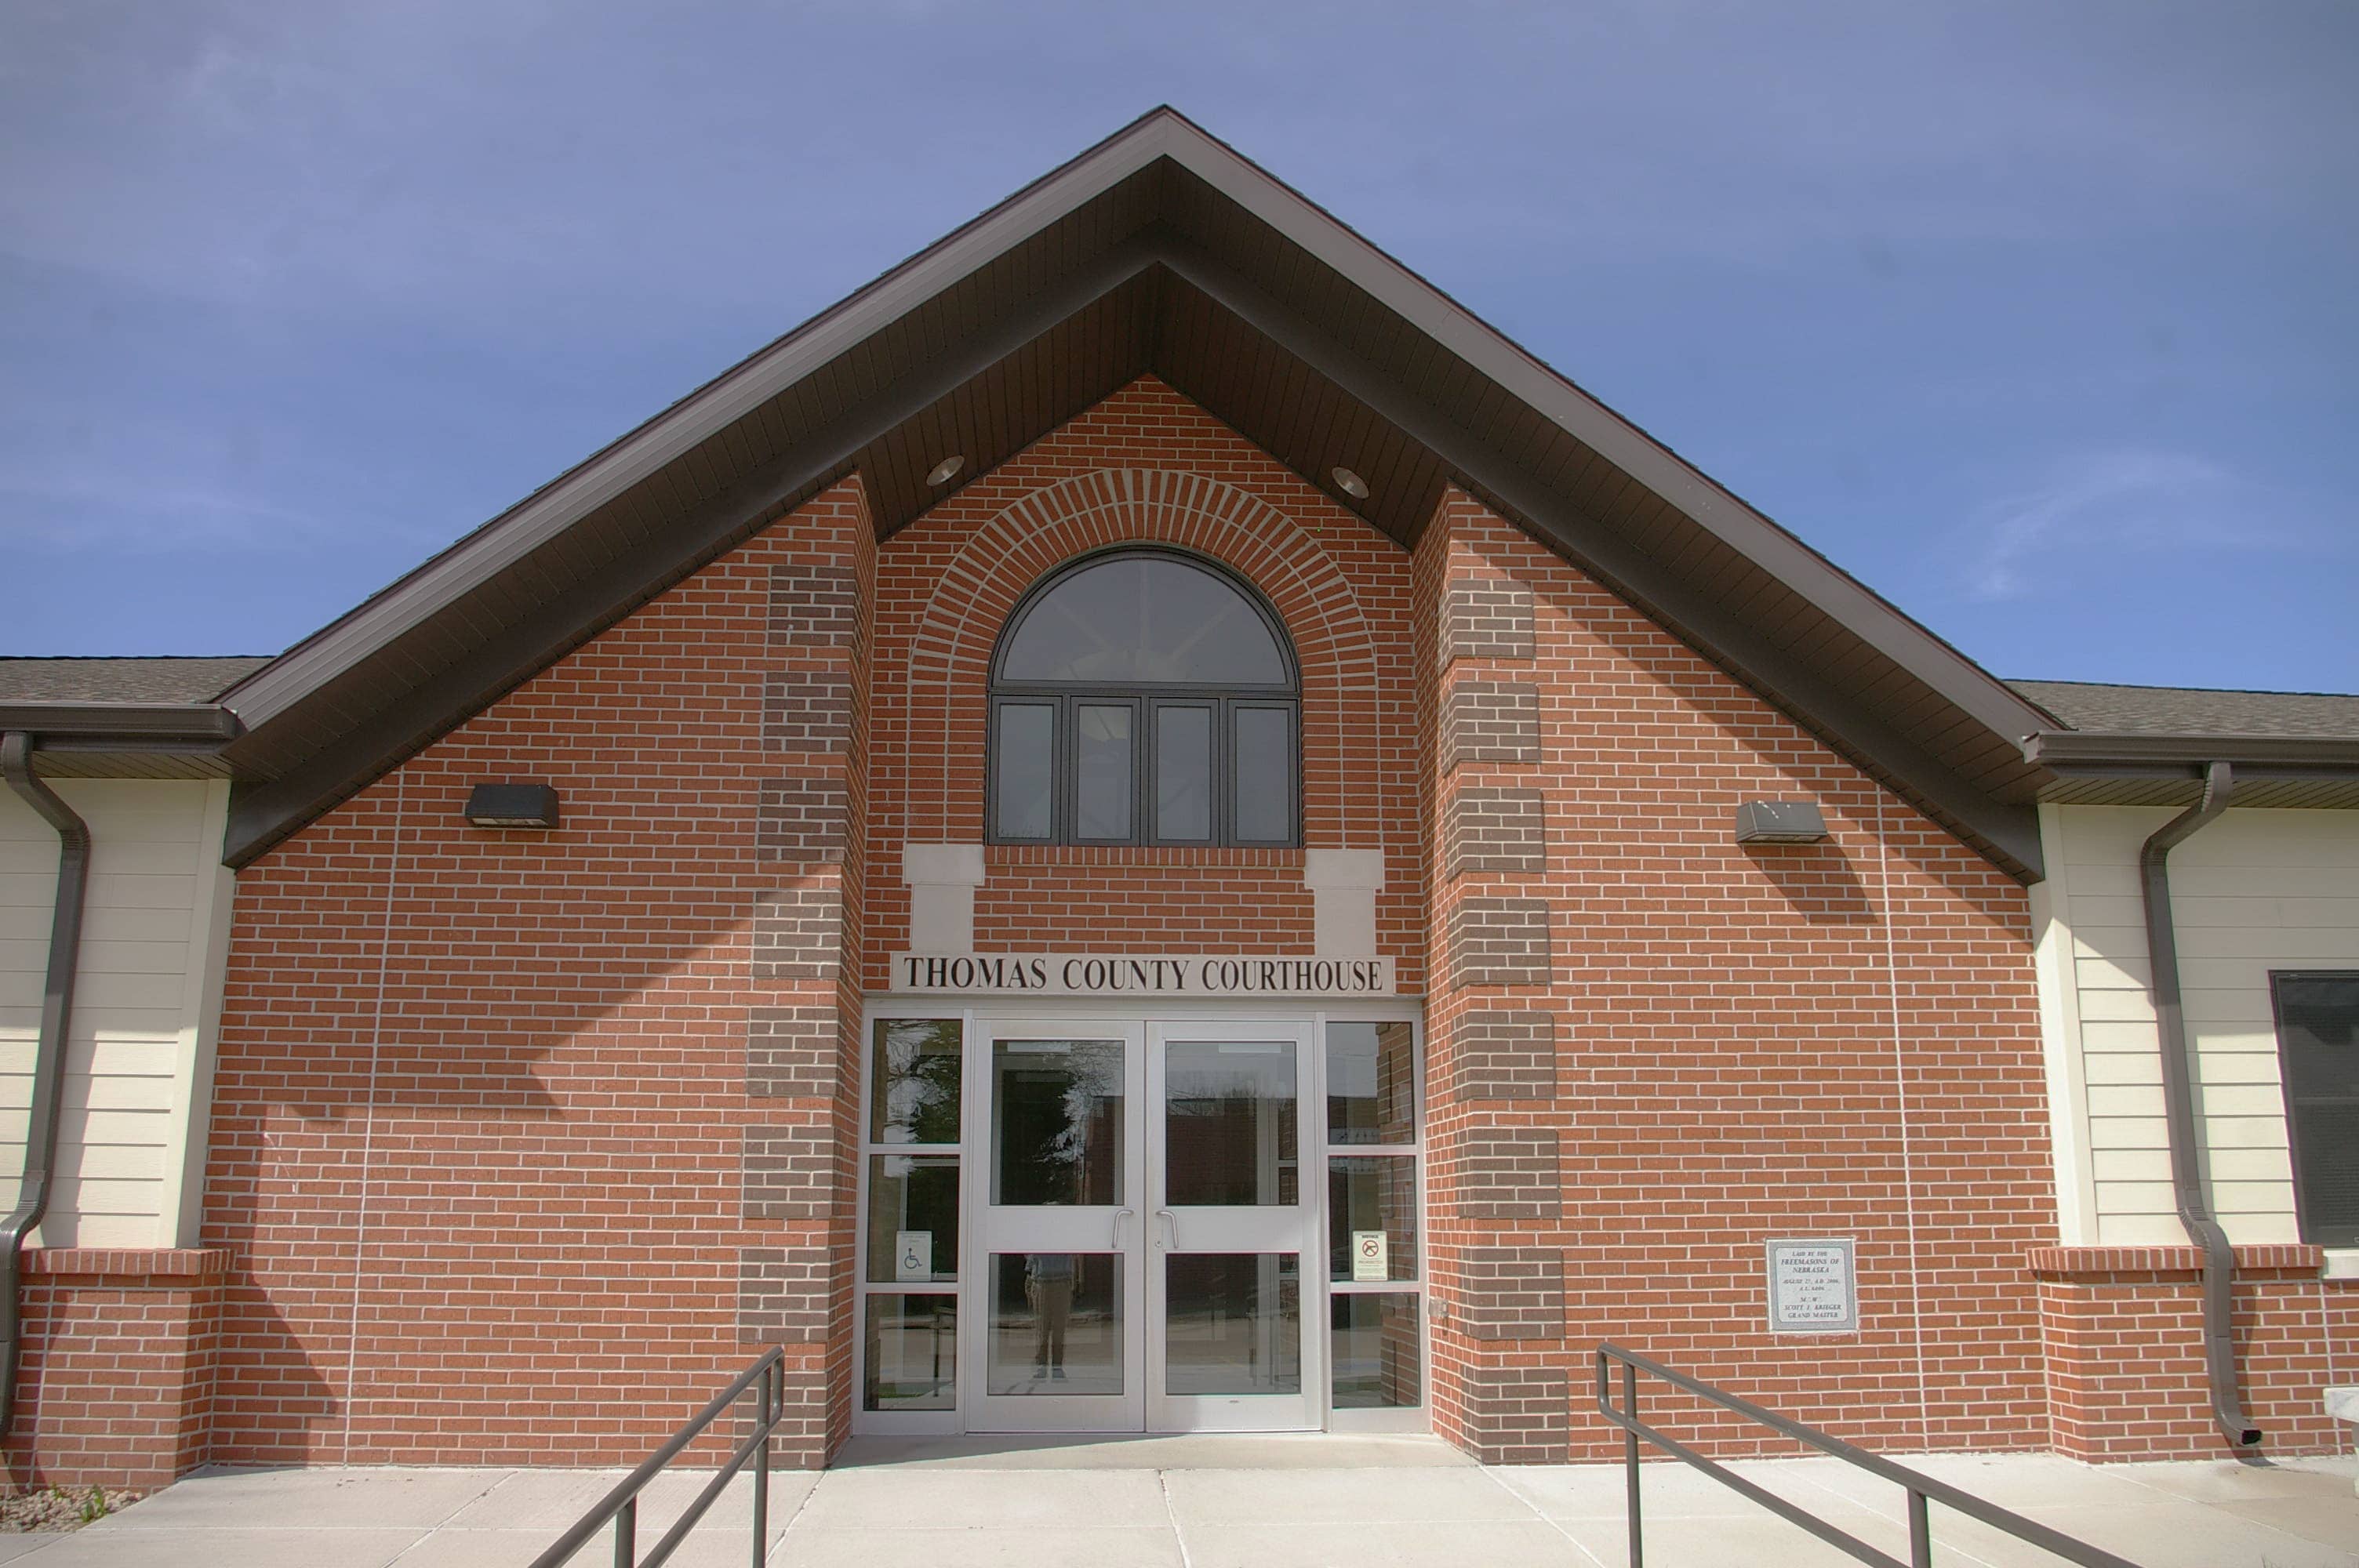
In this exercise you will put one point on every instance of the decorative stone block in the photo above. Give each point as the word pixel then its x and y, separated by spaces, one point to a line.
pixel 799 932
pixel 791 1053
pixel 1487 618
pixel 1497 1054
pixel 1490 721
pixel 1488 830
pixel 1509 1174
pixel 1511 1292
pixel 1499 942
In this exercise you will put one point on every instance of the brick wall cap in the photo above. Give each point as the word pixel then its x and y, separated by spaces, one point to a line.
pixel 153 1263
pixel 941 865
pixel 1344 869
pixel 2071 1262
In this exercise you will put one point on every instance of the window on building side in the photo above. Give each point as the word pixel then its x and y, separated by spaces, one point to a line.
pixel 2318 1050
pixel 1145 696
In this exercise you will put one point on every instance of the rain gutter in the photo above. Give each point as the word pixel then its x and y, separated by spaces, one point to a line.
pixel 2179 1107
pixel 48 1052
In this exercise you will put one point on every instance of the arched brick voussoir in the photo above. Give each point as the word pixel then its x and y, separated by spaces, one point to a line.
pixel 1034 533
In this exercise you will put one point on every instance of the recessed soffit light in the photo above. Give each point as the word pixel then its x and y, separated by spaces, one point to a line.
pixel 947 470
pixel 1350 483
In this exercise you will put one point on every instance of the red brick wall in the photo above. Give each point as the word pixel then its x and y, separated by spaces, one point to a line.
pixel 1834 1039
pixel 489 1102
pixel 524 1143
pixel 1145 465
pixel 116 1371
pixel 2125 1344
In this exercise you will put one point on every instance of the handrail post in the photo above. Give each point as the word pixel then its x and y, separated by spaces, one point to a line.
pixel 1920 1531
pixel 1630 1464
pixel 765 1414
pixel 627 1535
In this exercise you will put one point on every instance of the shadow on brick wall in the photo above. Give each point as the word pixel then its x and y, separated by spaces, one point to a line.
pixel 1817 880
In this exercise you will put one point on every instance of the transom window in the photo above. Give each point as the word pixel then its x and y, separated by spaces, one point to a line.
pixel 1144 697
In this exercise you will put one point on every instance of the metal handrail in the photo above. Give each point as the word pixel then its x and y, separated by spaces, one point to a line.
pixel 1921 1489
pixel 621 1506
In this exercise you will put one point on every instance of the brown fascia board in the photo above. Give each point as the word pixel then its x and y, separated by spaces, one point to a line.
pixel 195 726
pixel 2072 751
pixel 1163 134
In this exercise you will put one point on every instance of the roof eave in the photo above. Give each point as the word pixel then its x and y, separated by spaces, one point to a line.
pixel 195 725
pixel 2069 751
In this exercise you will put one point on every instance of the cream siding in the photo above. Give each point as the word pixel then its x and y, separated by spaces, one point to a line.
pixel 2255 890
pixel 147 1000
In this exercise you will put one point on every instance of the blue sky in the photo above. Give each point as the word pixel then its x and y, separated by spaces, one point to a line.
pixel 2041 319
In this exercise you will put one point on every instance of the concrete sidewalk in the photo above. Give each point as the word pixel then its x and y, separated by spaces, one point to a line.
pixel 1227 1502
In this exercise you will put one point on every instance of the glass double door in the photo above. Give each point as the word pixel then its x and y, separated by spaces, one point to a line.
pixel 1141 1228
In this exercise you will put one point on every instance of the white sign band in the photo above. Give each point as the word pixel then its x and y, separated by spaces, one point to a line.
pixel 1138 974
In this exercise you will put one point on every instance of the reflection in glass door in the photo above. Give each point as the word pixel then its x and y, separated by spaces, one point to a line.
pixel 1056 1336
pixel 1231 1225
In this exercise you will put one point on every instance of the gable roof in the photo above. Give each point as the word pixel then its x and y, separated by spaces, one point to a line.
pixel 161 679
pixel 1160 250
pixel 2193 712
pixel 2149 745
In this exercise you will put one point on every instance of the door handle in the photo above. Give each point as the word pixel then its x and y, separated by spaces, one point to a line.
pixel 1171 1222
pixel 1119 1216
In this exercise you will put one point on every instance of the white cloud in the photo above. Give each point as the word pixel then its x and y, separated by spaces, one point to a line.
pixel 2097 505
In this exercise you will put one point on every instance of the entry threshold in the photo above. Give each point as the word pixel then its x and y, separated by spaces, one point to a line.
pixel 1172 1450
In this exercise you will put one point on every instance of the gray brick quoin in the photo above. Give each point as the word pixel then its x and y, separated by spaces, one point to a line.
pixel 788 1172
pixel 1510 1173
pixel 1519 1416
pixel 798 933
pixel 1491 721
pixel 782 1294
pixel 816 603
pixel 791 1053
pixel 1496 1054
pixel 807 709
pixel 1490 829
pixel 1511 1292
pixel 1489 618
pixel 1499 942
pixel 801 818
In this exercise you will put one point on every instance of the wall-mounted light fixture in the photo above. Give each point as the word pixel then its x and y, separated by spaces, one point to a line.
pixel 512 805
pixel 1350 483
pixel 1779 822
pixel 947 470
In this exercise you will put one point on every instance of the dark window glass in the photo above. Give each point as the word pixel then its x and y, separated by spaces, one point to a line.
pixel 1027 759
pixel 1233 1322
pixel 1265 774
pixel 1371 1082
pixel 1104 783
pixel 1375 1356
pixel 913 1218
pixel 912 1353
pixel 1143 698
pixel 1374 1195
pixel 1056 1122
pixel 1142 621
pixel 1228 1123
pixel 1183 773
pixel 914 1097
pixel 1056 1324
pixel 2317 1042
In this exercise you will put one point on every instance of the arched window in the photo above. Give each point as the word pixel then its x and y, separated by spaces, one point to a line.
pixel 1144 697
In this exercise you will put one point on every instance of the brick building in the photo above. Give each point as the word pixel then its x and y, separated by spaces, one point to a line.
pixel 1143 827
